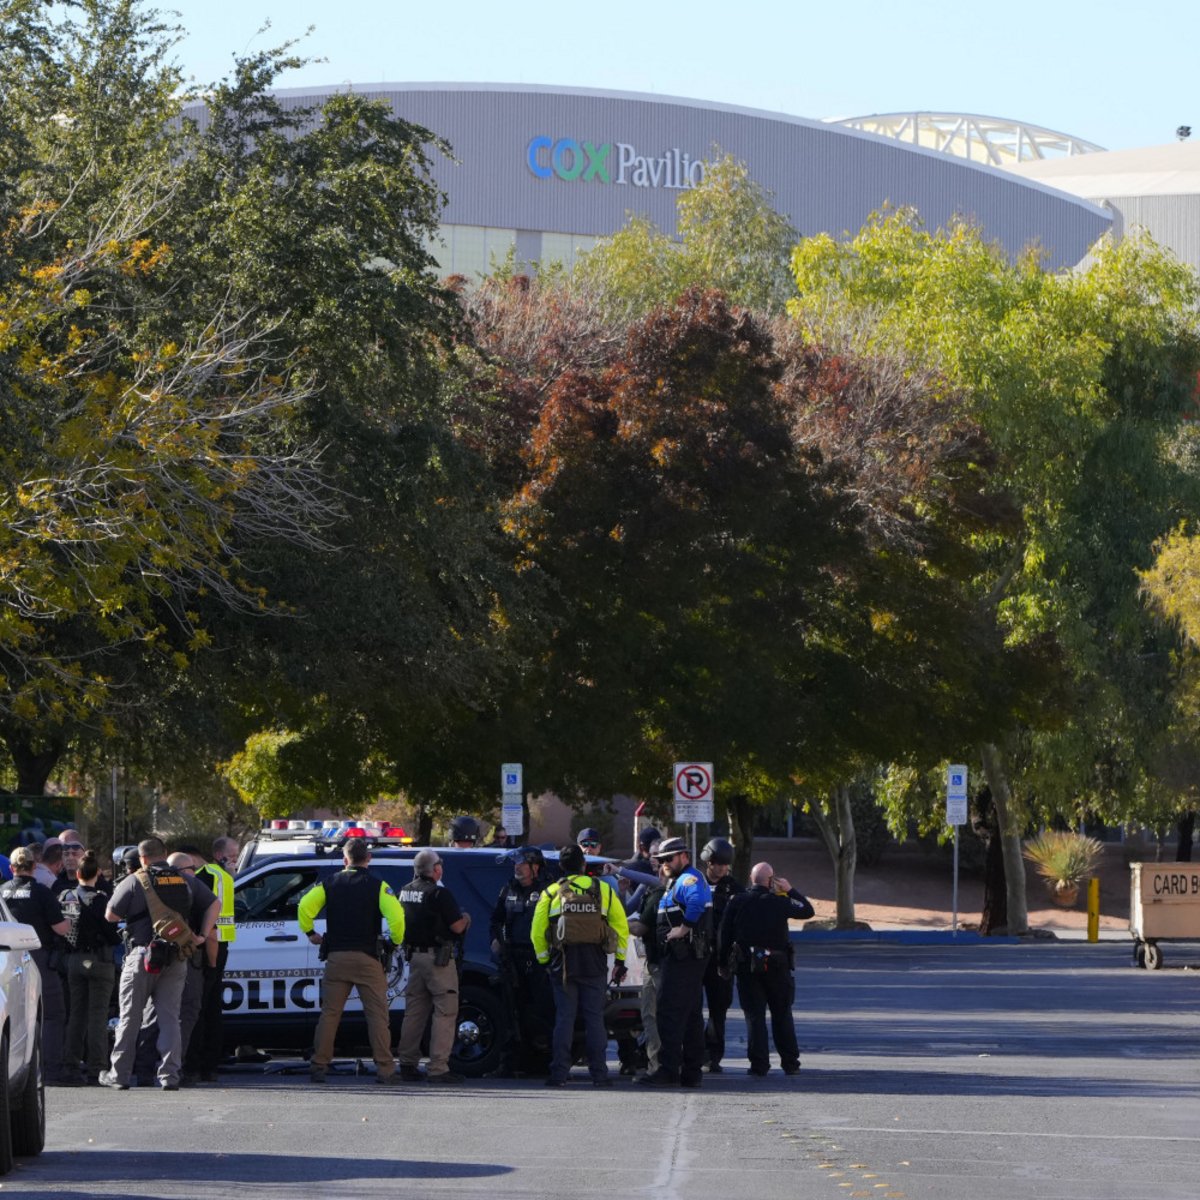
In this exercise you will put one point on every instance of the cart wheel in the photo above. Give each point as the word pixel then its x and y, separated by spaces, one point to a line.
pixel 1139 954
pixel 1153 957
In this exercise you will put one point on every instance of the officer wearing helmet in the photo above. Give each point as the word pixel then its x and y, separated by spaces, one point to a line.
pixel 464 833
pixel 642 861
pixel 685 934
pixel 527 992
pixel 717 857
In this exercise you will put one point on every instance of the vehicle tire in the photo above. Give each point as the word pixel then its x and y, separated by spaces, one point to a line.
pixel 480 1031
pixel 1139 954
pixel 28 1118
pixel 1154 956
pixel 6 1150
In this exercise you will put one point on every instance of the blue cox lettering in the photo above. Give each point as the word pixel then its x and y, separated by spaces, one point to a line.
pixel 570 159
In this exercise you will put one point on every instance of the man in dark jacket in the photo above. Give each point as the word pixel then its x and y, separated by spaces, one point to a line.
pixel 527 994
pixel 755 930
pixel 717 857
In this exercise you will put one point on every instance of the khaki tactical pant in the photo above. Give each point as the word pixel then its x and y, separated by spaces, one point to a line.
pixel 430 990
pixel 346 970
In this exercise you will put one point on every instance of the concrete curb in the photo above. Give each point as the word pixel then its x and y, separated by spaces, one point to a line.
pixel 906 937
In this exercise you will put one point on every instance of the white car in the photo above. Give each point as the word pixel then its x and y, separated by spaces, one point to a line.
pixel 23 1098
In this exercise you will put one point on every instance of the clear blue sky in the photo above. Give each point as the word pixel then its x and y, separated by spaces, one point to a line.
pixel 1120 74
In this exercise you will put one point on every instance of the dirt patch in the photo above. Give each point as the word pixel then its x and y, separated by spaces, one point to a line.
pixel 912 887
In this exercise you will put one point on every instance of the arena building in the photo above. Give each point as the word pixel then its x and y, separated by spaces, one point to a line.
pixel 1153 188
pixel 546 171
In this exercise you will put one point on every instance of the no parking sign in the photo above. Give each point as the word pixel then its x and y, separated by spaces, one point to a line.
pixel 693 792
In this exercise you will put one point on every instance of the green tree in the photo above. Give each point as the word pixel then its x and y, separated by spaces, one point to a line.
pixel 1072 378
pixel 729 238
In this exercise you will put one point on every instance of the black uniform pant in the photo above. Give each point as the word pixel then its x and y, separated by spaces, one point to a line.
pixel 531 1013
pixel 204 1050
pixel 762 991
pixel 718 995
pixel 681 1016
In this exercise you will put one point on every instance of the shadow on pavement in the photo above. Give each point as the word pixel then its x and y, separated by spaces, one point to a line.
pixel 942 1083
pixel 107 1171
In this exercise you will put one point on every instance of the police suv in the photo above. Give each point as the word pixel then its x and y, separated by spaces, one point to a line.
pixel 273 977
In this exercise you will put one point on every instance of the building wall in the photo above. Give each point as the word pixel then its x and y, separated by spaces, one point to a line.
pixel 825 178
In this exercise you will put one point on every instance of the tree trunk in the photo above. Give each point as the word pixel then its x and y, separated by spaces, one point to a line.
pixel 741 832
pixel 1186 826
pixel 1010 837
pixel 836 824
pixel 985 825
pixel 33 767
pixel 424 826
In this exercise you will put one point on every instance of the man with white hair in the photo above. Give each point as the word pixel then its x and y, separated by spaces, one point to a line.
pixel 754 931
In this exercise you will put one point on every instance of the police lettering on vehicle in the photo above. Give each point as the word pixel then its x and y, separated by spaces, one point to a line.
pixel 275 994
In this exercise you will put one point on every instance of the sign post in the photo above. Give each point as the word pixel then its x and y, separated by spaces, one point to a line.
pixel 693 795
pixel 956 815
pixel 512 793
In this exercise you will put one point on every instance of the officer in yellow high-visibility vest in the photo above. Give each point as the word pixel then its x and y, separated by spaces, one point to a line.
pixel 204 1050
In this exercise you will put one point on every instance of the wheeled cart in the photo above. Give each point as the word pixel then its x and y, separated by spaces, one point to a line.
pixel 1164 906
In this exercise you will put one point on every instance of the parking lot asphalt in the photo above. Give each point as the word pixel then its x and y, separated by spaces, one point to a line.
pixel 930 1073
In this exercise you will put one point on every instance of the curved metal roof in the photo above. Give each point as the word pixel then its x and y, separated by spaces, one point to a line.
pixel 993 140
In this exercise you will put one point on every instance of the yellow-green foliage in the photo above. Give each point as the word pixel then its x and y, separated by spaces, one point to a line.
pixel 1063 857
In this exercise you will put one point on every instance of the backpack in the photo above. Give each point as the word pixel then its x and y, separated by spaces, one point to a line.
pixel 581 920
pixel 169 925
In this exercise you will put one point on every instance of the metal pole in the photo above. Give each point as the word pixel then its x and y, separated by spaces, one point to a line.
pixel 954 927
pixel 693 841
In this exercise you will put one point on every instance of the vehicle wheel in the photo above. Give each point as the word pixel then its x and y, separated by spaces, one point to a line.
pixel 1154 956
pixel 29 1118
pixel 1139 954
pixel 6 1152
pixel 480 1029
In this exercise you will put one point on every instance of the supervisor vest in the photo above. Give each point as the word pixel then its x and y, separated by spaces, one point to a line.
pixel 352 915
pixel 221 883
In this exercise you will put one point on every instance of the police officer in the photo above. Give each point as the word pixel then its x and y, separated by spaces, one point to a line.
pixel 464 833
pixel 527 991
pixel 576 919
pixel 143 974
pixel 756 923
pixel 685 942
pixel 34 904
pixel 434 926
pixel 642 861
pixel 717 857
pixel 354 900
pixel 204 1049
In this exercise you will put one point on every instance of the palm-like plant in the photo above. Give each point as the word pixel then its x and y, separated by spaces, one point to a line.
pixel 1064 858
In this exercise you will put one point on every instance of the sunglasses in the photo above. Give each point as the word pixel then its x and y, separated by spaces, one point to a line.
pixel 72 846
pixel 589 843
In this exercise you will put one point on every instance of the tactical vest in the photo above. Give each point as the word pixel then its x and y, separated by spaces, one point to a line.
pixel 352 913
pixel 581 913
pixel 519 906
pixel 84 933
pixel 670 914
pixel 423 925
pixel 171 888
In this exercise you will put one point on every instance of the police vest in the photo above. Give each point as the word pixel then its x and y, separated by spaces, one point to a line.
pixel 519 906
pixel 221 883
pixel 423 925
pixel 352 911
pixel 670 914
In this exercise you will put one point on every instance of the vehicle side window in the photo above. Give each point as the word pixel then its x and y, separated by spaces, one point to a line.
pixel 274 896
